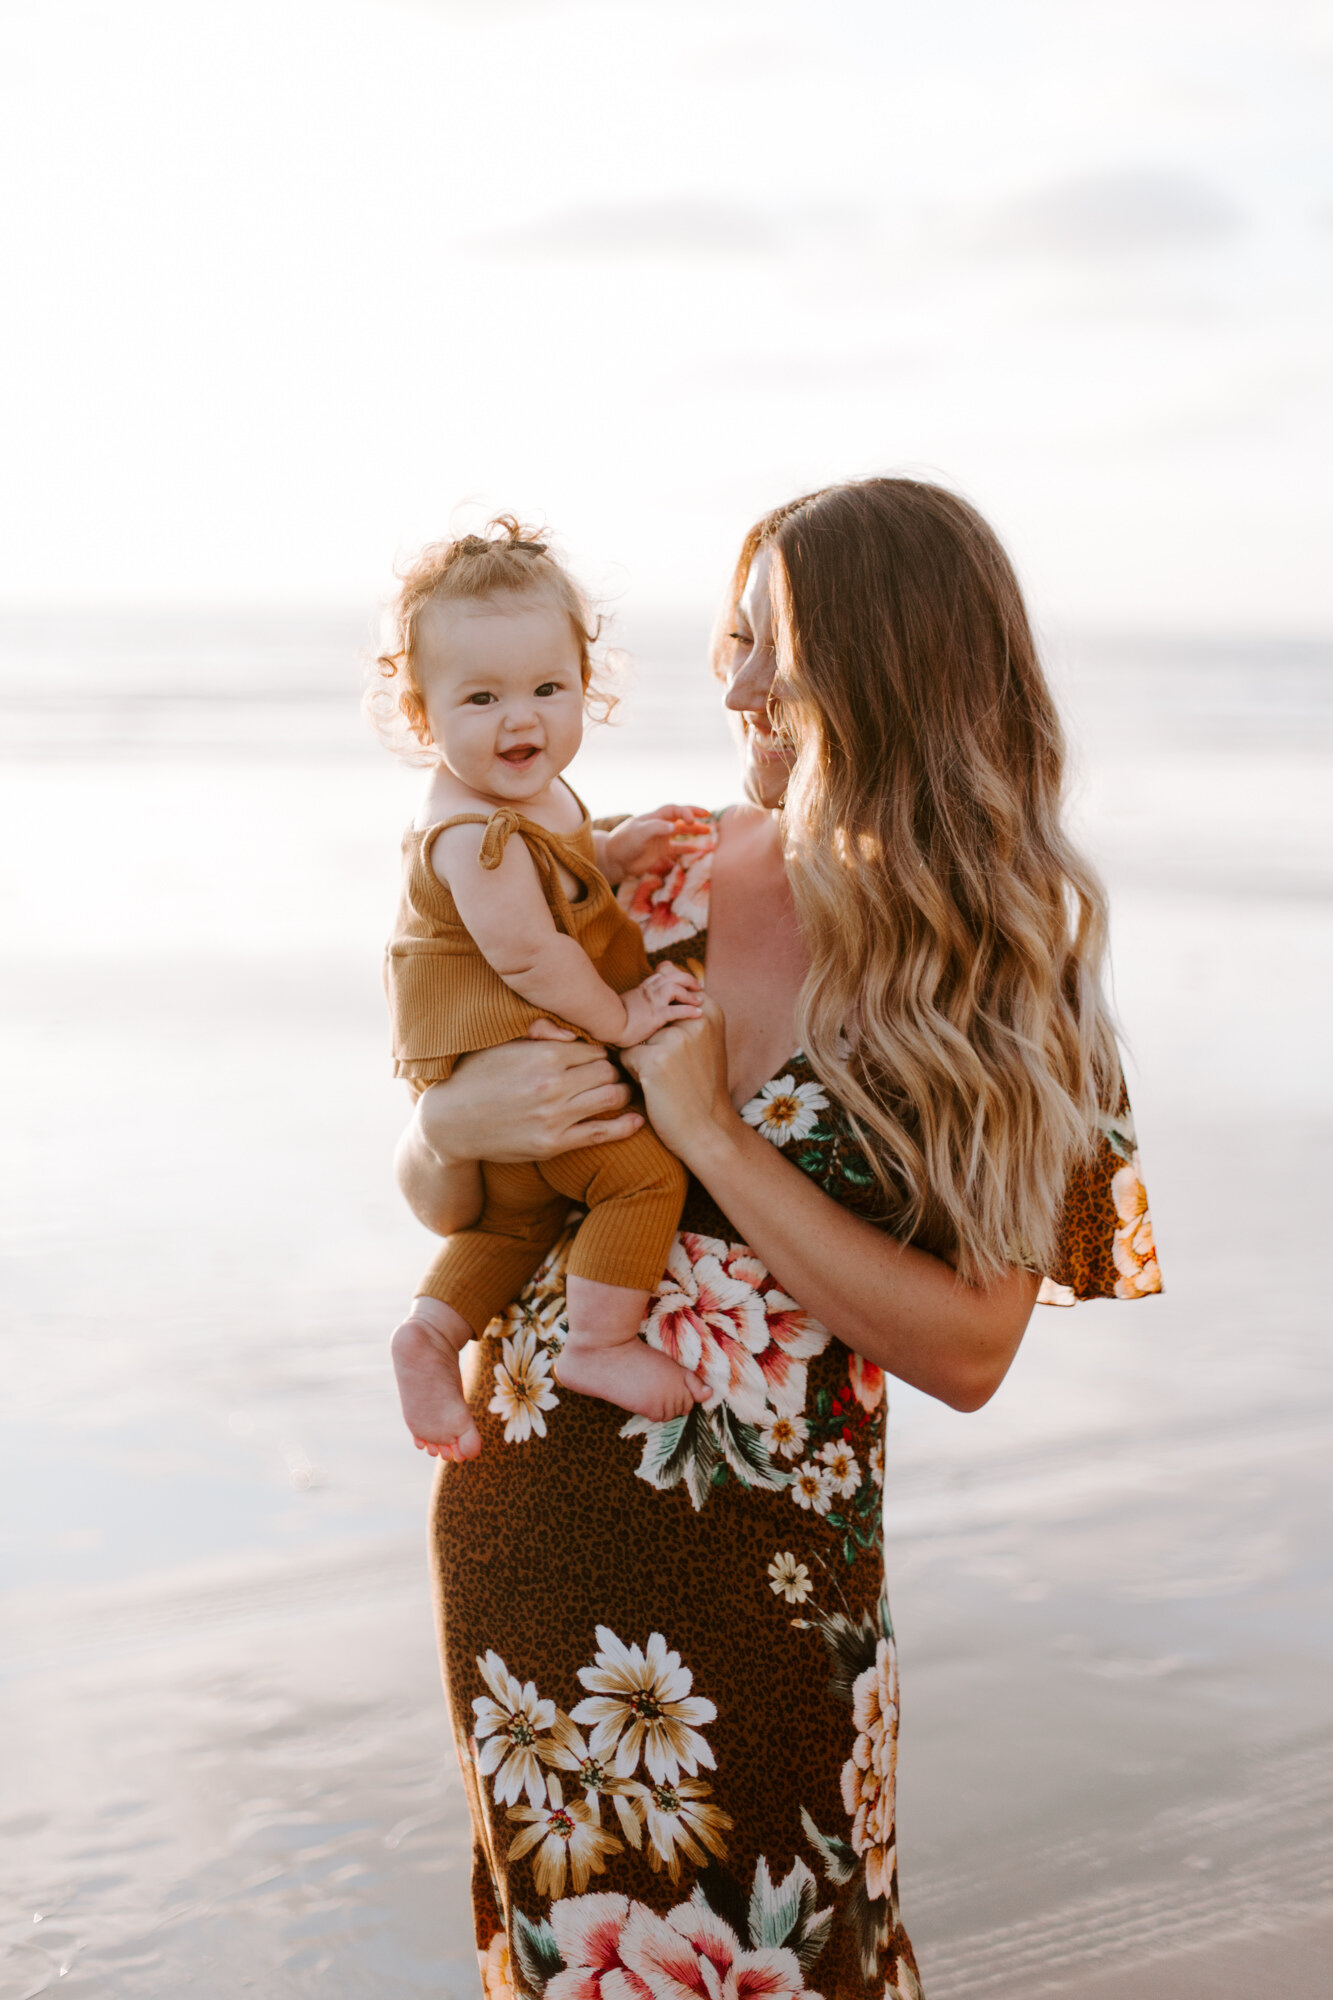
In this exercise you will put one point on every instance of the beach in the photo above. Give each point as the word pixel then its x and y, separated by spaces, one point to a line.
pixel 225 1754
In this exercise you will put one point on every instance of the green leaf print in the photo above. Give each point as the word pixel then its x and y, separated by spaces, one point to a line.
pixel 852 1645
pixel 1121 1137
pixel 536 1951
pixel 840 1862
pixel 698 1447
pixel 783 1913
pixel 665 1450
pixel 814 1936
pixel 716 1890
pixel 871 1919
pixel 745 1452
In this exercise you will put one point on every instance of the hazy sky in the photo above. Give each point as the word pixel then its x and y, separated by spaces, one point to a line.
pixel 287 280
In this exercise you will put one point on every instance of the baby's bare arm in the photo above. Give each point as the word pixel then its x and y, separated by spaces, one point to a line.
pixel 511 924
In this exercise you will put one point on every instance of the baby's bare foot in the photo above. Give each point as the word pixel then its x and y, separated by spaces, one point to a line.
pixel 632 1374
pixel 430 1383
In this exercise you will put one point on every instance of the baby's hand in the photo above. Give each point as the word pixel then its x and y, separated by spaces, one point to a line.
pixel 669 994
pixel 648 844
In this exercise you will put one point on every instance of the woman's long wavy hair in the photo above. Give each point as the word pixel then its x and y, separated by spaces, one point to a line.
pixel 956 936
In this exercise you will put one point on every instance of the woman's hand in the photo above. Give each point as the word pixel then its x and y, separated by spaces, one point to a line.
pixel 682 1072
pixel 528 1100
pixel 525 1100
pixel 899 1307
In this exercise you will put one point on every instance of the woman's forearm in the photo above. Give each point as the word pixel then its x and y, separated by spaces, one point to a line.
pixel 899 1307
pixel 527 1100
pixel 441 1191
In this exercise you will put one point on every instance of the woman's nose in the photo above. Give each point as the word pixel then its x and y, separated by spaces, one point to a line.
pixel 751 684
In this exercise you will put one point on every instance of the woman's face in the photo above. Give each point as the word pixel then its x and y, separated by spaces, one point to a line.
pixel 751 667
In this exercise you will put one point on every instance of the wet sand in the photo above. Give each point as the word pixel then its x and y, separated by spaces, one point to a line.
pixel 224 1752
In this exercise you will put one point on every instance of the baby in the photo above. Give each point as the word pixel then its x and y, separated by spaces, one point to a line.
pixel 507 914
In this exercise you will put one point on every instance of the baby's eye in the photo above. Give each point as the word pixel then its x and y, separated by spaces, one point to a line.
pixel 479 700
pixel 549 687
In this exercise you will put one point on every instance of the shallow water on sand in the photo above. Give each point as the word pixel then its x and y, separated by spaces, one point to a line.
pixel 225 1761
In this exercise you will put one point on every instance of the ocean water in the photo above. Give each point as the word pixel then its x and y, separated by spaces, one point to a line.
pixel 223 1756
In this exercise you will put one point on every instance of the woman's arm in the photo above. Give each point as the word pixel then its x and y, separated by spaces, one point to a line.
pixel 899 1307
pixel 526 1100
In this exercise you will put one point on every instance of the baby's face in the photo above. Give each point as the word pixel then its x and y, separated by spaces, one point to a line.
pixel 503 692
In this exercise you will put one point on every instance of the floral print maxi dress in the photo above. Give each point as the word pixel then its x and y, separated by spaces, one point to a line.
pixel 666 1646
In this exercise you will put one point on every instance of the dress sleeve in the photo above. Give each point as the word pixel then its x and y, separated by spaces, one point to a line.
pixel 1104 1243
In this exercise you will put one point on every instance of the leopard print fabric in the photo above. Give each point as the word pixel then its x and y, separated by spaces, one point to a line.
pixel 667 1648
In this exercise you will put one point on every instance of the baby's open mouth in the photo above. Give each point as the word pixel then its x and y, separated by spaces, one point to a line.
pixel 522 753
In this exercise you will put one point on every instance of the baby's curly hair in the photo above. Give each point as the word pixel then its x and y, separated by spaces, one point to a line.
pixel 504 561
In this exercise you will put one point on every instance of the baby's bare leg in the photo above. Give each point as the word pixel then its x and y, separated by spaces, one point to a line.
pixel 603 1355
pixel 425 1351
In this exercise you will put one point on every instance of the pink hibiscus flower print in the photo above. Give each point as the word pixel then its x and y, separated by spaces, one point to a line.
pixel 708 1319
pixel 867 1381
pixel 588 1930
pixel 693 1954
pixel 718 1310
pixel 673 906
pixel 794 1336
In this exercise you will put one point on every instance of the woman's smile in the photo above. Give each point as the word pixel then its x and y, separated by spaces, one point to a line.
pixel 763 740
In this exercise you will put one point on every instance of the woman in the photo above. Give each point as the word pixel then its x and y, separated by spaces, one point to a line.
pixel 667 1648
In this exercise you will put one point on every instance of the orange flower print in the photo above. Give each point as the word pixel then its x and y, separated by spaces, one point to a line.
pixel 868 1776
pixel 496 1975
pixel 1134 1251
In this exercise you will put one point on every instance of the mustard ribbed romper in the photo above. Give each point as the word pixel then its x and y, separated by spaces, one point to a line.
pixel 445 1000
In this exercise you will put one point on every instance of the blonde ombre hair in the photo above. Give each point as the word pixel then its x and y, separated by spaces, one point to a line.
pixel 508 560
pixel 956 936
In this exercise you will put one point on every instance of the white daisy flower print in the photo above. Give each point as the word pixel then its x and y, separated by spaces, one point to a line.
pixel 844 1473
pixel 523 1388
pixel 508 1724
pixel 812 1488
pixel 564 1837
pixel 640 1705
pixel 785 1109
pixel 782 1436
pixel 681 1826
pixel 789 1578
